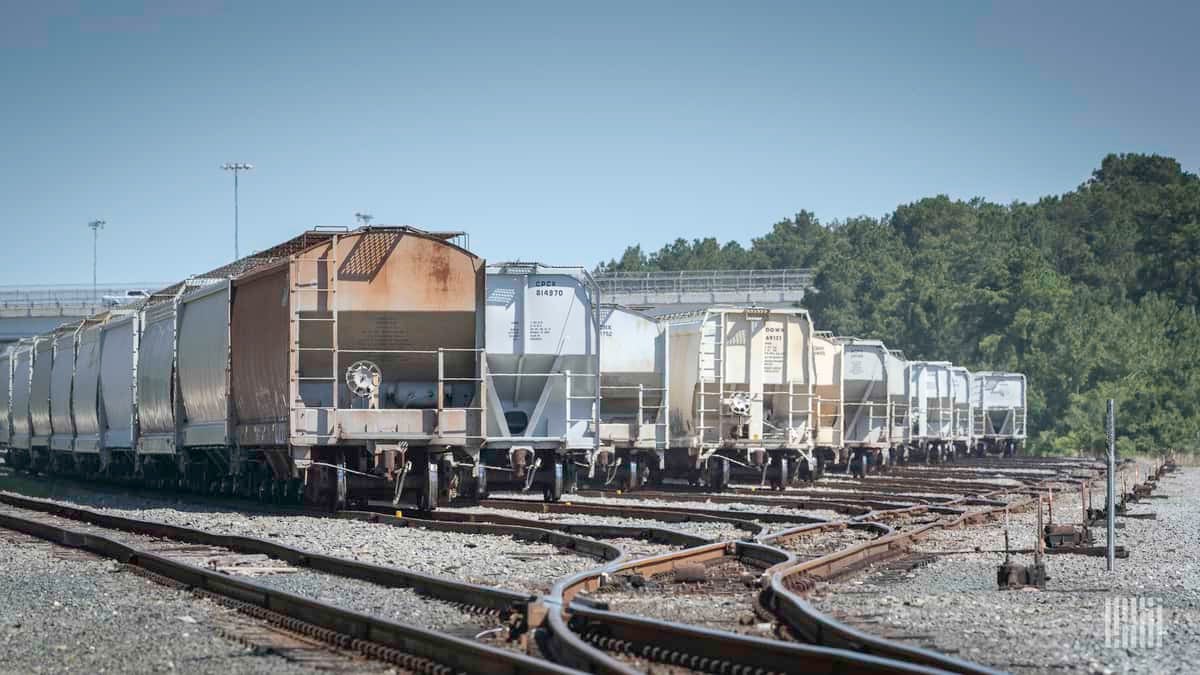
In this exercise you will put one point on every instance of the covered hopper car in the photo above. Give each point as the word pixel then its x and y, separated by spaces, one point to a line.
pixel 390 363
pixel 339 364
pixel 741 394
pixel 998 410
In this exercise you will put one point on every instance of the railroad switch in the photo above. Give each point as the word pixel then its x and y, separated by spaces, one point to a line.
pixel 1061 536
pixel 1011 576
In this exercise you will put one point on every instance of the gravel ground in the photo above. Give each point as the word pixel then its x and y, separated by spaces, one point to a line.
pixel 866 492
pixel 954 604
pixel 816 544
pixel 397 604
pixel 639 548
pixel 739 510
pixel 714 531
pixel 477 558
pixel 402 604
pixel 79 615
pixel 724 600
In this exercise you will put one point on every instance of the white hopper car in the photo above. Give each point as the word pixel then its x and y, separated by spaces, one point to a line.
pixel 741 393
pixel 999 411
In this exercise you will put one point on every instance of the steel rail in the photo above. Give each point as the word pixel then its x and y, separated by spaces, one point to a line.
pixel 786 587
pixel 583 633
pixel 850 506
pixel 588 547
pixel 450 590
pixel 665 514
pixel 656 535
pixel 367 634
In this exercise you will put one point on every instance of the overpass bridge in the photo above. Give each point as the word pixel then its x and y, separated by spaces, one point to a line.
pixel 666 292
pixel 31 310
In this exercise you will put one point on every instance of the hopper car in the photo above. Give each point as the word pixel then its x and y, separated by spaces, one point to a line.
pixel 336 366
pixel 998 411
pixel 741 394
pixel 391 363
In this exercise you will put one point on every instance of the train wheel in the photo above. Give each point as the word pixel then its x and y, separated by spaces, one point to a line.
pixel 480 486
pixel 553 491
pixel 428 499
pixel 718 474
pixel 632 478
pixel 656 474
pixel 449 481
pixel 570 476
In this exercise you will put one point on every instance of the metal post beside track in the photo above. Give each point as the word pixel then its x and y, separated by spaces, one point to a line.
pixel 1112 483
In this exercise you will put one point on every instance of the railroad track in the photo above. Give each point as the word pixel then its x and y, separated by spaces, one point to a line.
pixel 593 631
pixel 186 562
pixel 762 578
pixel 849 506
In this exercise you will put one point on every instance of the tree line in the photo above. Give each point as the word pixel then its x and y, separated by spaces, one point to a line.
pixel 1092 294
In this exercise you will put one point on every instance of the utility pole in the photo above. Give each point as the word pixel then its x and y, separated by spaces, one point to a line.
pixel 236 168
pixel 96 226
pixel 1111 515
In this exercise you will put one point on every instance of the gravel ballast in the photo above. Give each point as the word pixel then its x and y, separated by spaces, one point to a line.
pixel 952 601
pixel 739 510
pixel 490 560
pixel 83 615
pixel 709 530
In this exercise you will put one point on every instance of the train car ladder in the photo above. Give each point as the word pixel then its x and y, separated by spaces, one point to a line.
pixel 718 369
pixel 329 293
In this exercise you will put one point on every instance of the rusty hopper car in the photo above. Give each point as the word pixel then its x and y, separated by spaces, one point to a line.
pixel 741 393
pixel 354 363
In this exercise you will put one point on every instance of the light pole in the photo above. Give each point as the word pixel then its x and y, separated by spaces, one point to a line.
pixel 364 219
pixel 96 226
pixel 236 168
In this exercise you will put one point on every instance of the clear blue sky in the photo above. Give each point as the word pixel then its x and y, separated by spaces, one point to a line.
pixel 560 131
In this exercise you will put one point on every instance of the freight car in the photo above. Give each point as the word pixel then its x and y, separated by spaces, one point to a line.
pixel 875 408
pixel 548 340
pixel 931 410
pixel 998 409
pixel 543 360
pixel 339 364
pixel 390 362
pixel 741 394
